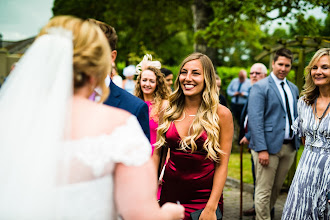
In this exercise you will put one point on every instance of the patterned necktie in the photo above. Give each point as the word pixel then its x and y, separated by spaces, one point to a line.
pixel 288 112
pixel 239 89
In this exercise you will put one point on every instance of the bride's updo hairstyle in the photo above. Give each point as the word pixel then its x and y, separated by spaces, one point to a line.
pixel 91 52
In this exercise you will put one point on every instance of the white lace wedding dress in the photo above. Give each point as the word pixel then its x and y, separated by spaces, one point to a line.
pixel 89 194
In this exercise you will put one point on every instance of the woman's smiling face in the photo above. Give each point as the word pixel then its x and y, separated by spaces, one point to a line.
pixel 192 78
pixel 320 71
pixel 148 82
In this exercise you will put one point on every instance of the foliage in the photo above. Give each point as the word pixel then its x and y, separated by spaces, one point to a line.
pixel 236 24
pixel 227 74
pixel 165 27
pixel 153 24
pixel 80 8
pixel 326 28
pixel 306 27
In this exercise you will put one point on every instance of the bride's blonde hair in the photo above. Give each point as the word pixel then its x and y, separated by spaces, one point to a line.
pixel 206 118
pixel 91 52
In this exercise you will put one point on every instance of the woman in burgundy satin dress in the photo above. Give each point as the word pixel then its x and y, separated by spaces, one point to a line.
pixel 198 132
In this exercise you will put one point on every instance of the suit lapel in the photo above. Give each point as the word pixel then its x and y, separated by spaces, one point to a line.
pixel 114 95
pixel 274 87
pixel 295 98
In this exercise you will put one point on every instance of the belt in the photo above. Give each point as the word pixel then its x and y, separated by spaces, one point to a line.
pixel 287 141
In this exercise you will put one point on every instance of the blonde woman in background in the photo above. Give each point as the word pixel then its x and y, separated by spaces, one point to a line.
pixel 198 132
pixel 309 194
pixel 72 159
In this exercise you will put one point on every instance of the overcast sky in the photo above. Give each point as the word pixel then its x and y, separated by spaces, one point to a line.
pixel 21 19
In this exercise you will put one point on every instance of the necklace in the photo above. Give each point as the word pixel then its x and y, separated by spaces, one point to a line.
pixel 320 119
pixel 184 116
pixel 315 110
pixel 190 115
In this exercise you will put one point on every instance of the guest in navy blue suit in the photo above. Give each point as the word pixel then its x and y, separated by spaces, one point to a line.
pixel 118 97
pixel 122 99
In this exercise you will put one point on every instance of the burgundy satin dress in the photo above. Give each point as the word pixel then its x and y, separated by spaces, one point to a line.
pixel 188 178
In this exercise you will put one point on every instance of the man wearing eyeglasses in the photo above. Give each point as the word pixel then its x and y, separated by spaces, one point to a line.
pixel 272 109
pixel 258 71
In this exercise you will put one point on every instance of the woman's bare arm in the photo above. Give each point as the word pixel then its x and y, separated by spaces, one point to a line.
pixel 135 194
pixel 221 168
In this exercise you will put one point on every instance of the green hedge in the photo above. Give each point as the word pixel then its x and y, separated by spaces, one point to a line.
pixel 226 73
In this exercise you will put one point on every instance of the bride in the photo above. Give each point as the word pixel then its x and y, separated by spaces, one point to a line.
pixel 61 155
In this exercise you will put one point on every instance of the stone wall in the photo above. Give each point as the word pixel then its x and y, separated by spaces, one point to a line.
pixel 6 62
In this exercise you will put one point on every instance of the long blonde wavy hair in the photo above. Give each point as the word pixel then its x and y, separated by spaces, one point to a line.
pixel 161 92
pixel 310 90
pixel 206 118
pixel 91 51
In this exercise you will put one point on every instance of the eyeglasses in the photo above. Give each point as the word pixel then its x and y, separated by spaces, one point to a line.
pixel 257 73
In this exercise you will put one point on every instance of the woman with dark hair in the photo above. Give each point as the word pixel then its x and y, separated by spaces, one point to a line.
pixel 309 195
pixel 198 132
pixel 168 77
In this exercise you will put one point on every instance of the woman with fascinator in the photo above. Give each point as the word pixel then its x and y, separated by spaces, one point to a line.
pixel 198 132
pixel 63 156
pixel 152 89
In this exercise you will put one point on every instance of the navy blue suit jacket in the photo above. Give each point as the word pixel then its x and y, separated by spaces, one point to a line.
pixel 241 125
pixel 124 100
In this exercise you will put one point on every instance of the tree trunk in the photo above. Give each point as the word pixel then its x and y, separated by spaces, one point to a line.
pixel 203 15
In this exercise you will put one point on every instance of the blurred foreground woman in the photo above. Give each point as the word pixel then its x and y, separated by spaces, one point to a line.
pixel 63 156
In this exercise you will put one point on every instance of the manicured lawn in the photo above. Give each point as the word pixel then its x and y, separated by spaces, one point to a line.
pixel 234 166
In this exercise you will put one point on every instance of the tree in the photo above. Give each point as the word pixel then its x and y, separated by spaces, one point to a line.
pixel 164 27
pixel 236 24
pixel 161 26
pixel 80 8
pixel 203 14
pixel 221 29
pixel 306 27
pixel 326 28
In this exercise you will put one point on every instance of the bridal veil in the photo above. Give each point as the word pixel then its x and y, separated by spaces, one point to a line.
pixel 34 107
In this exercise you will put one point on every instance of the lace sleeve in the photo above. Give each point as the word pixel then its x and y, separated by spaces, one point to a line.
pixel 296 126
pixel 133 147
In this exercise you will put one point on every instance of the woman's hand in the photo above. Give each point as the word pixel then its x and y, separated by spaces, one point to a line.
pixel 208 215
pixel 173 211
